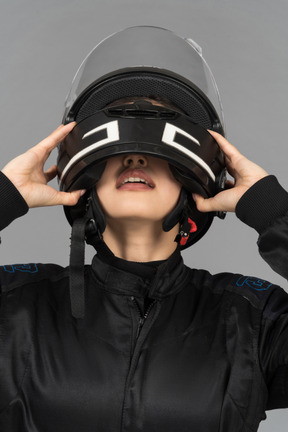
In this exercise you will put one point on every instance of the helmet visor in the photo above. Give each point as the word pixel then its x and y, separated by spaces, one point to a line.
pixel 152 49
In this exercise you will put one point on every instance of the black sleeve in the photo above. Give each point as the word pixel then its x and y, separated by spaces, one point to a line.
pixel 274 349
pixel 264 207
pixel 12 204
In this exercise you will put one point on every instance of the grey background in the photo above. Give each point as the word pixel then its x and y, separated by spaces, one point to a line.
pixel 42 43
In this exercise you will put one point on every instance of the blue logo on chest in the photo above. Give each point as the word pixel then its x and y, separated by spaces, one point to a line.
pixel 24 268
pixel 254 283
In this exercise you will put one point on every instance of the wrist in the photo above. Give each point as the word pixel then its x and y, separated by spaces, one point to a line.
pixel 12 203
pixel 262 203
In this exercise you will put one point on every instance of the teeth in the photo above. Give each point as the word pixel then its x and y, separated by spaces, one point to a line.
pixel 135 180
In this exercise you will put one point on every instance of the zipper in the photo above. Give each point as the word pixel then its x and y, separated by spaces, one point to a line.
pixel 141 335
pixel 138 343
pixel 142 318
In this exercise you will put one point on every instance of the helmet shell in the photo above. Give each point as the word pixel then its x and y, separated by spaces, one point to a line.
pixel 148 62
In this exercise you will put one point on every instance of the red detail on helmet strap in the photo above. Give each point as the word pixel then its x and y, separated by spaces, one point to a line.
pixel 188 227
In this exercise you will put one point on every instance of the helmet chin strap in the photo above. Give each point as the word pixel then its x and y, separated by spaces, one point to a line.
pixel 90 228
pixel 180 214
pixel 176 214
pixel 76 268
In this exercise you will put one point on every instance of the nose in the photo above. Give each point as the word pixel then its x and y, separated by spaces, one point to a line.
pixel 135 160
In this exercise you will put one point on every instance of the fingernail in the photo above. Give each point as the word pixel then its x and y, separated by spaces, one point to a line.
pixel 82 192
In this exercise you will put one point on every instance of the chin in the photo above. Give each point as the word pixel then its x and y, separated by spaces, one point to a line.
pixel 141 217
pixel 137 218
pixel 139 208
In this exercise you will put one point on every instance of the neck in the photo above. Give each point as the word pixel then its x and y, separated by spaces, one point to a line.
pixel 140 242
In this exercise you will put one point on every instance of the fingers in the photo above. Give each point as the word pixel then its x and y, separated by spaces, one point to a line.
pixel 49 196
pixel 244 172
pixel 42 150
pixel 69 198
pixel 204 205
pixel 214 204
pixel 51 142
pixel 228 149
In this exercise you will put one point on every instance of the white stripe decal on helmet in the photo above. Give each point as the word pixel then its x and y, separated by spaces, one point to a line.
pixel 169 138
pixel 112 129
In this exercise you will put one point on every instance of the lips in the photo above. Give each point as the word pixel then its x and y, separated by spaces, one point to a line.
pixel 136 177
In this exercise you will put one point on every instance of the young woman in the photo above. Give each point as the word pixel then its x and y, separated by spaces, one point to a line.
pixel 150 344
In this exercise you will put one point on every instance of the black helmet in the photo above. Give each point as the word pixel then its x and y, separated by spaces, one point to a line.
pixel 144 63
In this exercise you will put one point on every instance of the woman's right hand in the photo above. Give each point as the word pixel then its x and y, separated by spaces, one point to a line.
pixel 27 173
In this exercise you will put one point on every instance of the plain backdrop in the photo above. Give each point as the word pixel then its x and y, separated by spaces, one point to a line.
pixel 42 44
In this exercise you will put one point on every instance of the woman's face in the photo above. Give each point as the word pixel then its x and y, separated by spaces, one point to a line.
pixel 137 188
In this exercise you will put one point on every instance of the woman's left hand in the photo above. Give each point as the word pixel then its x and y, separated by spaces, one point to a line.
pixel 244 172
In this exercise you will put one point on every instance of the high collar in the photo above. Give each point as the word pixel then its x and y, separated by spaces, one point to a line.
pixel 144 269
pixel 156 279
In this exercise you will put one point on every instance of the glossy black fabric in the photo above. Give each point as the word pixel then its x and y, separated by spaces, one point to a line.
pixel 211 354
pixel 201 361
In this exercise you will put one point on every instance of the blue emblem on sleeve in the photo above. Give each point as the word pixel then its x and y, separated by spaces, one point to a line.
pixel 254 283
pixel 25 268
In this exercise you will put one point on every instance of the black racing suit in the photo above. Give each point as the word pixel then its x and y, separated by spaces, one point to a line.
pixel 162 347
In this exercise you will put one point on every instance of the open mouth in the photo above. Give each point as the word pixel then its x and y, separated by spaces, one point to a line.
pixel 135 178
